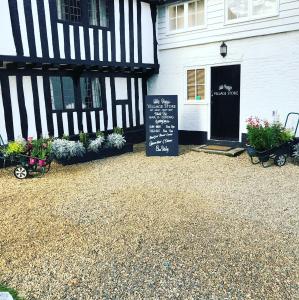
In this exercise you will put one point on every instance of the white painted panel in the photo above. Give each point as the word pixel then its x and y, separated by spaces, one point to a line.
pixel 65 124
pixel 15 107
pixel 109 104
pixel 29 104
pixel 117 31
pixel 72 42
pixel 135 28
pixel 7 44
pixel 2 118
pixel 82 44
pixel 140 101
pixel 75 118
pixel 84 121
pixel 109 45
pixel 49 28
pixel 23 27
pixel 93 121
pixel 102 125
pixel 119 117
pixel 133 101
pixel 127 32
pixel 38 43
pixel 61 40
pixel 121 92
pixel 42 106
pixel 100 45
pixel 127 116
pixel 91 42
pixel 147 34
pixel 55 125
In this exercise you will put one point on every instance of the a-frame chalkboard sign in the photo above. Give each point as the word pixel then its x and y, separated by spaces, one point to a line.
pixel 161 121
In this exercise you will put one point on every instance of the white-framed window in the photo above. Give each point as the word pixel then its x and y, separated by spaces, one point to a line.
pixel 187 16
pixel 196 85
pixel 244 10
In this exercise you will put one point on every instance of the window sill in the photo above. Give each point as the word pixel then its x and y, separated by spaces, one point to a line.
pixel 250 19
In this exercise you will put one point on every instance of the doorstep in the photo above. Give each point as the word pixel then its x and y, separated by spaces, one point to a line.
pixel 227 151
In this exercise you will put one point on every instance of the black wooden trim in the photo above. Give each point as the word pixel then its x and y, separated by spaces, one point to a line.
pixel 104 102
pixel 122 30
pixel 112 32
pixel 53 17
pixel 139 34
pixel 36 106
pixel 15 24
pixel 78 103
pixel 48 104
pixel 105 45
pixel 131 31
pixel 96 44
pixel 67 46
pixel 22 106
pixel 113 101
pixel 77 43
pixel 137 101
pixel 30 28
pixel 70 120
pixel 88 121
pixel 60 124
pixel 130 104
pixel 124 116
pixel 7 107
pixel 154 20
pixel 86 42
pixel 144 93
pixel 43 28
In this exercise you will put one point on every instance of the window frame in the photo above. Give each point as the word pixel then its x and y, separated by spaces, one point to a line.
pixel 85 17
pixel 90 77
pixel 64 109
pixel 250 17
pixel 194 101
pixel 186 18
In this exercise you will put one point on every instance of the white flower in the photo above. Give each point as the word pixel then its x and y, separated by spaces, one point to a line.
pixel 115 140
pixel 96 144
pixel 64 149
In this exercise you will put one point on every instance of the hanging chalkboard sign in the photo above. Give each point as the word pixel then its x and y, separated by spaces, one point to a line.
pixel 161 114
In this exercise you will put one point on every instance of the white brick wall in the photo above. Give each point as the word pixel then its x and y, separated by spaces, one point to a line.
pixel 269 77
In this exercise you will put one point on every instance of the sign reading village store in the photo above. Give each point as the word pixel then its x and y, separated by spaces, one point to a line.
pixel 225 90
pixel 161 114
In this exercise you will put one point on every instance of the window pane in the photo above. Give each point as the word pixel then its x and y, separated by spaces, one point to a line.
pixel 92 12
pixel 104 20
pixel 264 7
pixel 69 10
pixel 172 24
pixel 192 20
pixel 200 76
pixel 96 92
pixel 56 94
pixel 200 13
pixel 191 77
pixel 180 23
pixel 180 11
pixel 191 92
pixel 68 92
pixel 172 12
pixel 200 92
pixel 86 96
pixel 237 9
pixel 191 8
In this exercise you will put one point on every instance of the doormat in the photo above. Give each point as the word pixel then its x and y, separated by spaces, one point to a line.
pixel 217 148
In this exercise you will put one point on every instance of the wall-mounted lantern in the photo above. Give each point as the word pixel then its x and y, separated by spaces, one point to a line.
pixel 223 49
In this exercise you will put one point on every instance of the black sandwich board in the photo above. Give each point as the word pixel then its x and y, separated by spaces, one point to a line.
pixel 161 121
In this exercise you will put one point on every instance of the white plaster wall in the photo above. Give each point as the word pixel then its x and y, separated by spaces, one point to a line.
pixel 269 77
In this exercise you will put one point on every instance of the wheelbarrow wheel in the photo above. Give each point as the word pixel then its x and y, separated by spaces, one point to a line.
pixel 280 160
pixel 20 172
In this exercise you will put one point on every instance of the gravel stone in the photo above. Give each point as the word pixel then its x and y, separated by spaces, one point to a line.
pixel 197 226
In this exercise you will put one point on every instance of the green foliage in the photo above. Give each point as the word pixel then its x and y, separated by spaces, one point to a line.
pixel 65 137
pixel 84 139
pixel 16 147
pixel 14 293
pixel 100 134
pixel 118 130
pixel 40 148
pixel 263 136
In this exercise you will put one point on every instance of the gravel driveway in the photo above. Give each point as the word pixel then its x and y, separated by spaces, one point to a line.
pixel 197 226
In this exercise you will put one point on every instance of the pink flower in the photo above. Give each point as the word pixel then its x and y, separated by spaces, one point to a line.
pixel 30 139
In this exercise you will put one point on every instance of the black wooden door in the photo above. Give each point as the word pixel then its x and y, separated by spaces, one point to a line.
pixel 225 102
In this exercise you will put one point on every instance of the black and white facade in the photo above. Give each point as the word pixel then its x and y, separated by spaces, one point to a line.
pixel 68 66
